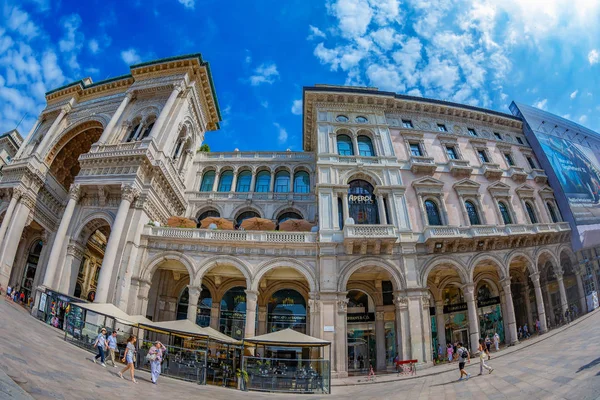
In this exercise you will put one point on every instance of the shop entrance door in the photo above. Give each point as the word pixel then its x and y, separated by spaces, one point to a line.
pixel 361 350
pixel 462 336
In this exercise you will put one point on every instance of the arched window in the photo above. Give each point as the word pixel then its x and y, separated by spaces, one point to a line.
pixel 282 182
pixel 147 131
pixel 552 211
pixel 433 213
pixel 362 120
pixel 208 214
pixel 246 215
pixel 341 118
pixel 233 312
pixel 362 204
pixel 33 259
pixel 225 181
pixel 263 182
pixel 365 146
pixel 204 306
pixel 208 181
pixel 532 217
pixel 505 213
pixel 244 180
pixel 472 213
pixel 301 182
pixel 132 132
pixel 288 215
pixel 344 145
pixel 286 309
pixel 340 212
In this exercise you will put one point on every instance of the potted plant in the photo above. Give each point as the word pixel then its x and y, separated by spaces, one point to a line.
pixel 242 379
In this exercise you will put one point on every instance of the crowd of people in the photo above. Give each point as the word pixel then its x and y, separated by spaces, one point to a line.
pixel 16 294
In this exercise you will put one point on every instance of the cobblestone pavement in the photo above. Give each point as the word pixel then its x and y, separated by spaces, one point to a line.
pixel 562 365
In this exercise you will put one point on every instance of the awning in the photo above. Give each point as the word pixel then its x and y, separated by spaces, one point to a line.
pixel 287 337
pixel 112 311
pixel 187 327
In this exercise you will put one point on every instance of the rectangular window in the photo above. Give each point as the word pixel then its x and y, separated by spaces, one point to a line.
pixel 442 128
pixel 406 123
pixel 482 156
pixel 498 136
pixel 451 151
pixel 509 159
pixel 519 140
pixel 471 131
pixel 531 162
pixel 415 150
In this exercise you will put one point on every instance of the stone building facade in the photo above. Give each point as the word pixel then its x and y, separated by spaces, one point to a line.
pixel 433 221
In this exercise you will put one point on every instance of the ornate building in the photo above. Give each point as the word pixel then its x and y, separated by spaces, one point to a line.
pixel 434 221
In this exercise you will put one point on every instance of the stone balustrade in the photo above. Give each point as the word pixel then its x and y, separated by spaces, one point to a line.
pixel 259 155
pixel 230 236
pixel 470 232
pixel 370 231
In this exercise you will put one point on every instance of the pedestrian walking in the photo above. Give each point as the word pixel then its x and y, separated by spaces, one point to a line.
pixel 8 292
pixel 100 343
pixel 488 346
pixel 526 334
pixel 482 363
pixel 112 347
pixel 155 356
pixel 129 359
pixel 496 341
pixel 567 320
pixel 450 352
pixel 538 326
pixel 463 358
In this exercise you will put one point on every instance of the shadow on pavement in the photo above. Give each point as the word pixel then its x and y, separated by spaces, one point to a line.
pixel 590 365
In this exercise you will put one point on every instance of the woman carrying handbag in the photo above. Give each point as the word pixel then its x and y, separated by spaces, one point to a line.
pixel 155 356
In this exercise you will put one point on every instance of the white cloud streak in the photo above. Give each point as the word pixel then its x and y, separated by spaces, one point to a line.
pixel 130 56
pixel 265 73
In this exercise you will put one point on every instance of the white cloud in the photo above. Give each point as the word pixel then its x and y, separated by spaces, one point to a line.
pixel 583 119
pixel 354 16
pixel 297 107
pixel 18 20
pixel 282 137
pixel 94 46
pixel 53 74
pixel 265 73
pixel 130 57
pixel 264 104
pixel 593 57
pixel 315 33
pixel 385 38
pixel 574 94
pixel 385 77
pixel 567 116
pixel 72 41
pixel 541 104
pixel 188 3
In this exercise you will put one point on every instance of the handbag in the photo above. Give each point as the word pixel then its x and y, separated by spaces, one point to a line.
pixel 151 357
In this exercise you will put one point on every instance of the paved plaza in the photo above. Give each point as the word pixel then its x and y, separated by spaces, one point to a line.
pixel 564 364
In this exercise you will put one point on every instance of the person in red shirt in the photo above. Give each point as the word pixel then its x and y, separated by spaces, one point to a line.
pixel 22 297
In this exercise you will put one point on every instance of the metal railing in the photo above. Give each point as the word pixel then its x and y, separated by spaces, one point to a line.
pixel 285 375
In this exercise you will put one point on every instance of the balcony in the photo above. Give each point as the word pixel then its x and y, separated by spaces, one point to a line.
pixel 460 168
pixel 539 176
pixel 517 174
pixel 424 165
pixel 372 239
pixel 229 236
pixel 492 171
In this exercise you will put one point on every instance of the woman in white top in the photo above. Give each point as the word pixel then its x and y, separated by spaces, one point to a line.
pixel 129 357
pixel 155 355
pixel 482 355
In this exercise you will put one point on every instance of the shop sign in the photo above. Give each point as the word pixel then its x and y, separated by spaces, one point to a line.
pixel 329 328
pixel 488 302
pixel 233 315
pixel 361 317
pixel 360 199
pixel 289 318
pixel 42 306
pixel 452 308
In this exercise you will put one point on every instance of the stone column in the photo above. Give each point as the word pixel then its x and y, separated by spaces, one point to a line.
pixel 128 194
pixel 441 324
pixel 234 180
pixel 548 304
pixel 215 315
pixel 194 296
pixel 251 298
pixel 381 207
pixel 355 145
pixel 106 134
pixel 402 326
pixel 528 310
pixel 17 193
pixel 164 113
pixel 216 181
pixel 59 239
pixel 380 339
pixel 272 182
pixel 563 294
pixel 507 332
pixel 262 320
pixel 13 236
pixel 336 212
pixel 581 291
pixel 510 311
pixel 68 277
pixel 345 206
pixel 469 293
pixel 50 133
pixel 314 317
pixel 252 181
pixel 143 290
pixel 535 278
pixel 341 336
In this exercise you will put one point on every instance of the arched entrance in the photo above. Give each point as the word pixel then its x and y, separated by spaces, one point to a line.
pixel 286 309
pixel 571 286
pixel 95 237
pixel 31 265
pixel 232 321
pixel 491 298
pixel 362 345
pixel 169 280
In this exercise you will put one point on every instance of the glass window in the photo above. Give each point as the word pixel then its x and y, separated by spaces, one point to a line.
pixel 301 182
pixel 204 306
pixel 415 149
pixel 282 182
pixel 433 213
pixel 244 180
pixel 246 215
pixel 406 123
pixel 341 118
pixel 472 132
pixel 365 146
pixel 225 181
pixel 505 214
pixel 288 215
pixel 286 309
pixel 531 213
pixel 344 145
pixel 531 163
pixel 340 213
pixel 361 120
pixel 509 159
pixel 132 133
pixel 442 128
pixel 451 151
pixel 498 136
pixel 208 180
pixel 263 182
pixel 31 268
pixel 472 213
pixel 208 214
pixel 233 312
pixel 362 204
pixel 482 156
pixel 147 131
pixel 553 214
pixel 519 140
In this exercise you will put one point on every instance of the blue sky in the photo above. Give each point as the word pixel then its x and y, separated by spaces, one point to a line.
pixel 482 52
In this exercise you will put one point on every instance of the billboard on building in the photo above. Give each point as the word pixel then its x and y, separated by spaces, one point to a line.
pixel 570 155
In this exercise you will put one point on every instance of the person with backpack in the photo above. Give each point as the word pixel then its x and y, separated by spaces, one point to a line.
pixel 463 358
pixel 482 353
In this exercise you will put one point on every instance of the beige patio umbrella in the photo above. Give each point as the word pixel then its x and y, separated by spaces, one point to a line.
pixel 258 224
pixel 295 225
pixel 221 223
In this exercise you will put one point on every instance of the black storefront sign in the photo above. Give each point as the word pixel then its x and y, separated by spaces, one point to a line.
pixel 488 302
pixel 233 315
pixel 287 318
pixel 361 317
pixel 452 308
